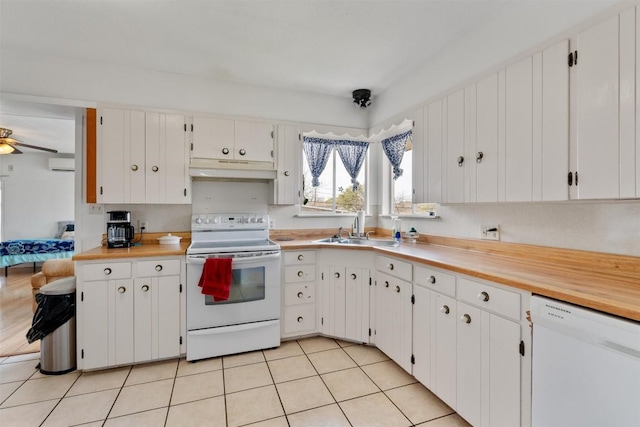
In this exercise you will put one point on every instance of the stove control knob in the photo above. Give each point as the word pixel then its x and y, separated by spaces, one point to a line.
pixel 216 220
pixel 207 221
pixel 253 220
pixel 260 220
pixel 198 220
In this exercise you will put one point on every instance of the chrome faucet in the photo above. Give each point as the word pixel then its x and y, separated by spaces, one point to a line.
pixel 356 226
pixel 340 233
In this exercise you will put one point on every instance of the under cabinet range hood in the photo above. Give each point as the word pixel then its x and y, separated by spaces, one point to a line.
pixel 231 169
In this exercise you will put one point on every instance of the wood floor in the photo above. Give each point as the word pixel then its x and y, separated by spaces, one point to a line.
pixel 15 311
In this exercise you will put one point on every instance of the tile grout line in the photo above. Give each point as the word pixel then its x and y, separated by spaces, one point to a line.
pixel 117 396
pixel 173 387
pixel 276 387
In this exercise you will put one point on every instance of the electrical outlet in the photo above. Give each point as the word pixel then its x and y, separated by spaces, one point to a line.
pixel 272 223
pixel 143 224
pixel 490 232
pixel 95 209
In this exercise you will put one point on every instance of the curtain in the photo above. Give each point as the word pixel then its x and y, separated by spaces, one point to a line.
pixel 352 154
pixel 394 148
pixel 317 151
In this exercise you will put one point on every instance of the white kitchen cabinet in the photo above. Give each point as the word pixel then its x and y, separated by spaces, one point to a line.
pixel 469 363
pixel 454 158
pixel 129 311
pixel 444 342
pixel 112 141
pixel 175 185
pixel 603 142
pixel 253 141
pixel 418 143
pixel 286 186
pixel 212 138
pixel 299 295
pixel 435 128
pixel 483 159
pixel 345 297
pixel 333 300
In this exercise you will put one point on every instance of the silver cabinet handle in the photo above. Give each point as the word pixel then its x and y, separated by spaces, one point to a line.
pixel 337 275
pixel 465 318
pixel 145 288
pixel 479 157
pixel 242 151
pixel 300 257
pixel 300 319
pixel 445 309
pixel 134 167
pixel 122 289
pixel 225 151
pixel 431 279
pixel 386 284
pixel 154 168
pixel 390 266
pixel 300 273
pixel 287 173
pixel 300 294
pixel 159 267
pixel 353 276
pixel 460 161
pixel 107 271
pixel 397 289
pixel 483 296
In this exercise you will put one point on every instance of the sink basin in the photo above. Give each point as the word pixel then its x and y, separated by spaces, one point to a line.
pixel 357 241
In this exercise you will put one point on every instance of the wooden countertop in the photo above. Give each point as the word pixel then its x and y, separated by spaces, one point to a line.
pixel 149 248
pixel 604 282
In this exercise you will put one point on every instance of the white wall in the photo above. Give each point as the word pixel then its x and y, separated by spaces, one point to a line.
pixel 34 198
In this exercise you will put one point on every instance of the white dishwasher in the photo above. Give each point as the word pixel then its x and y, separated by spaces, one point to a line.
pixel 586 367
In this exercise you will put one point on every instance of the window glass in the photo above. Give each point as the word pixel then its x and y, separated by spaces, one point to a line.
pixel 402 188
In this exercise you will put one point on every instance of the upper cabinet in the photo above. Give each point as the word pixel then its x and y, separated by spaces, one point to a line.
pixel 286 186
pixel 604 142
pixel 142 157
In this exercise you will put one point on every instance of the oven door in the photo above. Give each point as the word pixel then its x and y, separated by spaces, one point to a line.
pixel 254 295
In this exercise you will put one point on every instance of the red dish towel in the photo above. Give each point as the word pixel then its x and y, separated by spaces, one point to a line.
pixel 216 278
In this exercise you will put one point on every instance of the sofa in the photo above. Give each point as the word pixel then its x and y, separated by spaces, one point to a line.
pixel 52 270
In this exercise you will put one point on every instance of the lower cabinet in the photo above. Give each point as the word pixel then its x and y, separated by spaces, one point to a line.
pixel 299 295
pixel 129 312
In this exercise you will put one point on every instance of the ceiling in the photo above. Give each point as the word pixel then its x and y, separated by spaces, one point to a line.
pixel 328 47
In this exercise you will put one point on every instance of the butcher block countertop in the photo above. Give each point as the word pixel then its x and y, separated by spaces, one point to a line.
pixel 604 282
pixel 149 248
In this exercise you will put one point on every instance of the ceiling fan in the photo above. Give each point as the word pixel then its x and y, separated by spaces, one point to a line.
pixel 7 144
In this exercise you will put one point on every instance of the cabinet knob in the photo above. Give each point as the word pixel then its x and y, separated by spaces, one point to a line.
pixel 134 167
pixel 460 161
pixel 431 279
pixel 479 156
pixel 122 289
pixel 386 284
pixel 445 309
pixel 225 151
pixel 154 168
pixel 483 296
pixel 287 173
pixel 397 289
pixel 242 151
pixel 300 257
pixel 300 319
pixel 107 271
pixel 300 294
pixel 145 288
pixel 300 273
pixel 465 318
pixel 337 275
pixel 159 267
pixel 390 266
pixel 353 276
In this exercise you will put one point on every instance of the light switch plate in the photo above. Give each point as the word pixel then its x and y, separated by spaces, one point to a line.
pixel 490 232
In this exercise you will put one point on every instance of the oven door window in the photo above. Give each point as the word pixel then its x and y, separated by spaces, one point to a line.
pixel 247 284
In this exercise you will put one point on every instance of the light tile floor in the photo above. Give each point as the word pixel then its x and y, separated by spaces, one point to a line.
pixel 305 383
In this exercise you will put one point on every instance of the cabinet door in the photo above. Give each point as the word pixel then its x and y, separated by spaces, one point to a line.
pixel 519 131
pixel 422 335
pixel 445 355
pixel 253 141
pixel 455 148
pixel 333 301
pixel 175 175
pixel 357 304
pixel 212 138
pixel 418 155
pixel 134 165
pixel 383 313
pixel 143 319
pixel 167 316
pixel 121 333
pixel 469 363
pixel 95 320
pixel 485 159
pixel 504 369
pixel 286 183
pixel 434 144
pixel 154 157
pixel 111 149
pixel 470 126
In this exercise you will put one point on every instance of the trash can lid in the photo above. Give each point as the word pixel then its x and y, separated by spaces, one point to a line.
pixel 60 287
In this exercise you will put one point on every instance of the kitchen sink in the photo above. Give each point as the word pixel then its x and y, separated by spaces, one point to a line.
pixel 358 241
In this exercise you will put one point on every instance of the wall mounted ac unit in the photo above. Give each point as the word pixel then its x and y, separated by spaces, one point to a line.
pixel 62 164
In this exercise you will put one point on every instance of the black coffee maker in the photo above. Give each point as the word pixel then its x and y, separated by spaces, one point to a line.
pixel 119 229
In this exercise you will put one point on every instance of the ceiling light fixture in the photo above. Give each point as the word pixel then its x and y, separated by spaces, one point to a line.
pixel 6 148
pixel 362 97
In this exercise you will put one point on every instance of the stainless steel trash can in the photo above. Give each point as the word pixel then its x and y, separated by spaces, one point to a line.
pixel 58 349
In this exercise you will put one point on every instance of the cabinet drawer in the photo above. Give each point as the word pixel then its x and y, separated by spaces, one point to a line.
pixel 299 273
pixel 163 267
pixel 394 267
pixel 299 318
pixel 489 298
pixel 299 294
pixel 299 257
pixel 107 271
pixel 436 280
